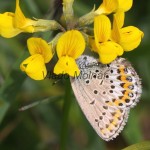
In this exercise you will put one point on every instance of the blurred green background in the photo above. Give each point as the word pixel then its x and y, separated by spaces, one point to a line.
pixel 40 127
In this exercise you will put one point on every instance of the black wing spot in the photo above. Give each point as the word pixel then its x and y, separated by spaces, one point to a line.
pixel 129 78
pixel 111 71
pixel 122 84
pixel 101 117
pixel 104 92
pixel 112 86
pixel 105 107
pixel 120 104
pixel 107 125
pixel 127 100
pixel 87 81
pixel 96 70
pixel 131 95
pixel 107 76
pixel 125 70
pixel 111 91
pixel 96 120
pixel 111 81
pixel 85 58
pixel 119 77
pixel 131 87
pixel 94 76
pixel 95 92
pixel 92 102
pixel 103 113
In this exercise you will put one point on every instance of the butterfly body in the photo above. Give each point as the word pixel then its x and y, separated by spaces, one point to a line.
pixel 106 93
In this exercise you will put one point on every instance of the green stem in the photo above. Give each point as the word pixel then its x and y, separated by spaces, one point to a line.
pixel 66 108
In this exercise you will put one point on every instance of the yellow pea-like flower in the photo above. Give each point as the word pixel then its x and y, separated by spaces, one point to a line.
pixel 124 5
pixel 107 49
pixel 41 53
pixel 128 37
pixel 34 67
pixel 7 28
pixel 69 47
pixel 109 6
pixel 11 24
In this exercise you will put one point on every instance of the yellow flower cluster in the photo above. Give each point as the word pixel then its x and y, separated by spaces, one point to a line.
pixel 112 40
pixel 108 40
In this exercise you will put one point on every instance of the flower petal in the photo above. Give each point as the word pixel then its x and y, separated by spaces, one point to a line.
pixel 108 51
pixel 125 5
pixel 71 43
pixel 92 44
pixel 102 28
pixel 107 58
pixel 130 37
pixel 34 67
pixel 119 17
pixel 66 65
pixel 7 28
pixel 21 22
pixel 40 46
pixel 118 22
pixel 20 19
pixel 107 7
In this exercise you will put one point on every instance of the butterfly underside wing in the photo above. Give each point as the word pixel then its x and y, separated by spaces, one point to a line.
pixel 106 93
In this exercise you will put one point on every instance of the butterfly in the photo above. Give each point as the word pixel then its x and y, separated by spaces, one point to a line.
pixel 106 93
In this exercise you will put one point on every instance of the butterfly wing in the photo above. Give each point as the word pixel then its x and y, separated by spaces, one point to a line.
pixel 105 93
pixel 125 84
pixel 107 120
pixel 118 83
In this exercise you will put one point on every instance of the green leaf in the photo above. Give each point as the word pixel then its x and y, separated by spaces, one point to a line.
pixel 11 87
pixel 139 146
pixel 132 131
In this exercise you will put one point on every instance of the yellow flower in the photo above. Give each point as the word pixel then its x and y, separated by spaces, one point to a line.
pixel 124 5
pixel 128 37
pixel 69 47
pixel 7 28
pixel 41 53
pixel 11 24
pixel 109 6
pixel 107 49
